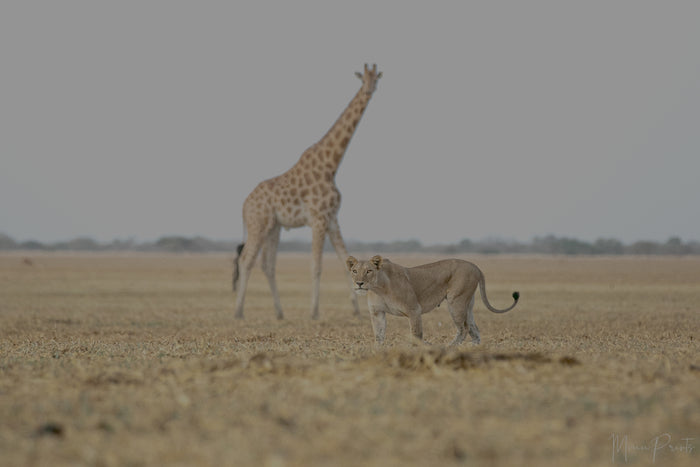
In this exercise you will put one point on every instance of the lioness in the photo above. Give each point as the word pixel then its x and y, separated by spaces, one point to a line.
pixel 410 292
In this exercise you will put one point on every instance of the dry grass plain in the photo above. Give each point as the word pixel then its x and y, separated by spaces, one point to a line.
pixel 136 360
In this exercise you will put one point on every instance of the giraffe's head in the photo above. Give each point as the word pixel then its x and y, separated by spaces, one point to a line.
pixel 369 78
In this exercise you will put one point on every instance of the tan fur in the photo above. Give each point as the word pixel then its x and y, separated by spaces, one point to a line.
pixel 305 195
pixel 411 292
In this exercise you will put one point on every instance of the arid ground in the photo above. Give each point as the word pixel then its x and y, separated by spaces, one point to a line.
pixel 136 360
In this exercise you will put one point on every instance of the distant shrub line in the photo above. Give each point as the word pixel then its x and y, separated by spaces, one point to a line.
pixel 549 244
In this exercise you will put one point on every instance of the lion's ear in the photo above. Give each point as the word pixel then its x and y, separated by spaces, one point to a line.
pixel 350 262
pixel 377 261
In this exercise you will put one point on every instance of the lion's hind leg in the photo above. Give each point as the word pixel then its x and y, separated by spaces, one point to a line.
pixel 459 311
pixel 462 313
pixel 473 329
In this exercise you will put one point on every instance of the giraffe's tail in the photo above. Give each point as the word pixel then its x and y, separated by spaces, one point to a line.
pixel 239 248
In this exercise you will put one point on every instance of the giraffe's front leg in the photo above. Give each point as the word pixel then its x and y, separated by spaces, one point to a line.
pixel 319 235
pixel 342 252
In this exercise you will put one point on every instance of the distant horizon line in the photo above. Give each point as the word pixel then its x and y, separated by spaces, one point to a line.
pixel 487 238
pixel 549 244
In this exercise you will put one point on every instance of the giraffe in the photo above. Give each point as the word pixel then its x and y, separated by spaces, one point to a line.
pixel 305 195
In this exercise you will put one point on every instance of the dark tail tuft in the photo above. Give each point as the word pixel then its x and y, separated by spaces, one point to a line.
pixel 516 296
pixel 239 248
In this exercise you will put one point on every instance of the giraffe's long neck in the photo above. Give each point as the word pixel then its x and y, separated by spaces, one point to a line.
pixel 334 143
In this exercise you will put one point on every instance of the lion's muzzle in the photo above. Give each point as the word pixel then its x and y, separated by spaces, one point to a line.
pixel 359 289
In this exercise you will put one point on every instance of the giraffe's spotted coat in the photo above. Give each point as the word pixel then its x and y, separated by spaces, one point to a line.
pixel 305 195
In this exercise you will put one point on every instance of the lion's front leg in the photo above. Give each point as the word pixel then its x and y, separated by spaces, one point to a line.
pixel 416 322
pixel 378 318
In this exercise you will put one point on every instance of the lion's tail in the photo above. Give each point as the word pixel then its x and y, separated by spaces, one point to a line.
pixel 482 288
pixel 236 274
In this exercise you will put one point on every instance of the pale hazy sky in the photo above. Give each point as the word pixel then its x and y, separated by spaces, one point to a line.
pixel 509 119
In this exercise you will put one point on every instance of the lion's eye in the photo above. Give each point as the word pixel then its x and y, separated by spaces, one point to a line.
pixel 354 271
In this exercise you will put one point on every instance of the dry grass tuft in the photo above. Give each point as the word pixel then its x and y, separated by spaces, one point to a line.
pixel 450 359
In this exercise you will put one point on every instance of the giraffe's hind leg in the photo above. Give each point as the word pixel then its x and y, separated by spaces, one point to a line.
pixel 246 261
pixel 236 267
pixel 269 261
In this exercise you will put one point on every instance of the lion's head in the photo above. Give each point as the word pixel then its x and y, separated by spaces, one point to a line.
pixel 364 273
